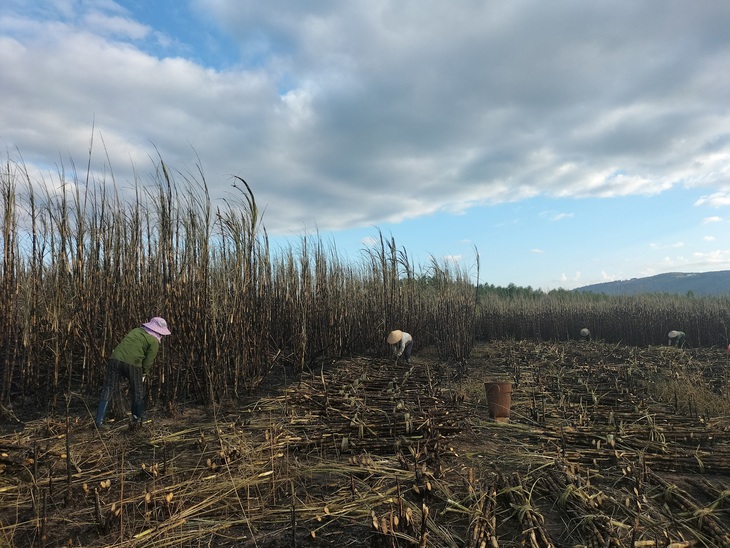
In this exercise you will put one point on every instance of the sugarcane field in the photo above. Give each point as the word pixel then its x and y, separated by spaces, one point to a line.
pixel 280 409
pixel 603 445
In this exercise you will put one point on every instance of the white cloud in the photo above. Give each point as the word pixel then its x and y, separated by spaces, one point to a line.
pixel 120 27
pixel 354 114
pixel 717 199
pixel 561 216
pixel 552 216
pixel 575 278
pixel 716 257
pixel 709 220
pixel 653 245
pixel 606 277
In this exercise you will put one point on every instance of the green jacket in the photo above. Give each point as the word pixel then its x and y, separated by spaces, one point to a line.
pixel 137 348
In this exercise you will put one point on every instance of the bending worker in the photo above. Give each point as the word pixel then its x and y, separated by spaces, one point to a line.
pixel 132 359
pixel 676 338
pixel 402 343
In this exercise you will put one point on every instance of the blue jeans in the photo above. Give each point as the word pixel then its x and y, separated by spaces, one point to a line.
pixel 115 369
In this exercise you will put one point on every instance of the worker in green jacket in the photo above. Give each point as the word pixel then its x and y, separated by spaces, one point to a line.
pixel 132 359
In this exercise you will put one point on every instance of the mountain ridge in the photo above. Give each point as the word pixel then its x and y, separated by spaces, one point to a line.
pixel 681 283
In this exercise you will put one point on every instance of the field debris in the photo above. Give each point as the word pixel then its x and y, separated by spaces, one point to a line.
pixel 606 446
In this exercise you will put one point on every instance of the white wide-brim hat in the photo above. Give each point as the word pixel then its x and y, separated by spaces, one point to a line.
pixel 395 336
pixel 158 325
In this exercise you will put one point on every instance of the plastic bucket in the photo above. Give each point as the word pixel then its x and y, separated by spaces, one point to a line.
pixel 499 399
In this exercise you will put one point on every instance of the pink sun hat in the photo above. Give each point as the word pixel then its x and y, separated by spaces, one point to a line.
pixel 158 325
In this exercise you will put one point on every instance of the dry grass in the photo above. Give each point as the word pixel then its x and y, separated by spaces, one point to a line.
pixel 366 453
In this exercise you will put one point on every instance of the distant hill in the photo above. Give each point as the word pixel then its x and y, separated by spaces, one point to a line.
pixel 704 283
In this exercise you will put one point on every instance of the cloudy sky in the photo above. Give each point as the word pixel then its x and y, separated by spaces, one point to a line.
pixel 567 142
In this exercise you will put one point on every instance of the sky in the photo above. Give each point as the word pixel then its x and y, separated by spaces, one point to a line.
pixel 555 144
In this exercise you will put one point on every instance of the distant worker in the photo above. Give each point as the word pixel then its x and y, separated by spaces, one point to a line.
pixel 132 359
pixel 676 338
pixel 402 343
pixel 585 334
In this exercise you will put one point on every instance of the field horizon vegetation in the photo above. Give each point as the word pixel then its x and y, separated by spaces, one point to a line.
pixel 83 263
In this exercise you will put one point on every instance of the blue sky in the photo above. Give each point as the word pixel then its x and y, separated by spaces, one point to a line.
pixel 567 142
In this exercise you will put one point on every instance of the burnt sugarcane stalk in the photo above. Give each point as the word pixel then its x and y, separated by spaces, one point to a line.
pixel 528 516
pixel 680 498
pixel 578 508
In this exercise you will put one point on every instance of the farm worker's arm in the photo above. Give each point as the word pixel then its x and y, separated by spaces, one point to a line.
pixel 149 357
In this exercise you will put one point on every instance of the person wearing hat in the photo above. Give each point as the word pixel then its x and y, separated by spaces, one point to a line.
pixel 402 344
pixel 132 359
pixel 676 338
